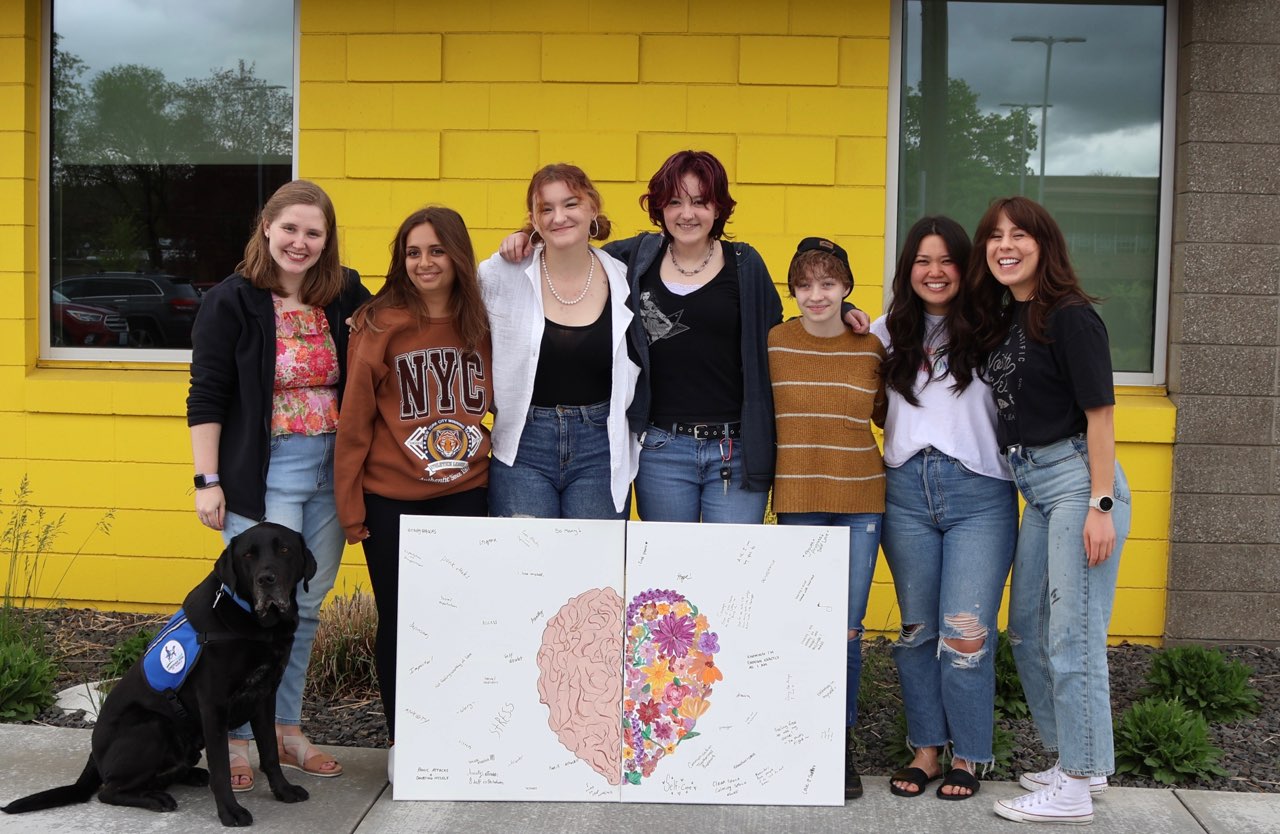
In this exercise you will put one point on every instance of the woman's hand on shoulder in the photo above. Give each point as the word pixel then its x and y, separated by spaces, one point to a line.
pixel 1099 537
pixel 858 321
pixel 516 247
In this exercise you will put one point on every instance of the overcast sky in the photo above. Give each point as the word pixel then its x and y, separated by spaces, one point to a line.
pixel 185 40
pixel 1106 92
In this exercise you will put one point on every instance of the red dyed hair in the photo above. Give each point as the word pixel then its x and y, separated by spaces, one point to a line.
pixel 709 173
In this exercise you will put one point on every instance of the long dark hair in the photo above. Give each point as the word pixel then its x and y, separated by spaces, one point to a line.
pixel 466 306
pixel 906 322
pixel 324 281
pixel 1056 281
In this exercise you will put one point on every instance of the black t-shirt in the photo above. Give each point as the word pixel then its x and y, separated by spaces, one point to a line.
pixel 575 363
pixel 695 347
pixel 1042 390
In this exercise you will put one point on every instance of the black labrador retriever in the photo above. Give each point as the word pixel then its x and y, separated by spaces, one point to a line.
pixel 151 730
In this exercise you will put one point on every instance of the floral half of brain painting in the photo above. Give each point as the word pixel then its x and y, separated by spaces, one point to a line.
pixel 670 669
pixel 579 681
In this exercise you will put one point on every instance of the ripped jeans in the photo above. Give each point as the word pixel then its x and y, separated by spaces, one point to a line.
pixel 949 538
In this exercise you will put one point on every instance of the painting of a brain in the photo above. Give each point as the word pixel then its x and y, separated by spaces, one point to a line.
pixel 670 669
pixel 578 678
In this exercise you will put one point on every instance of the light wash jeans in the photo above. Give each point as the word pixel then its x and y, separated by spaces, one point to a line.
pixel 679 480
pixel 300 496
pixel 864 544
pixel 1059 607
pixel 948 538
pixel 561 468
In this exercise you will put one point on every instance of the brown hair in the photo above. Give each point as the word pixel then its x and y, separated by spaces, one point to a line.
pixel 577 181
pixel 466 304
pixel 1055 280
pixel 324 281
pixel 667 181
pixel 816 264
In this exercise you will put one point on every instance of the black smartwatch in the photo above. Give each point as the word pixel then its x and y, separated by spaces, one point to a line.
pixel 206 481
pixel 1102 502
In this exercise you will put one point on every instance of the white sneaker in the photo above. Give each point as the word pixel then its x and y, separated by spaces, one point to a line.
pixel 1055 803
pixel 391 765
pixel 1044 778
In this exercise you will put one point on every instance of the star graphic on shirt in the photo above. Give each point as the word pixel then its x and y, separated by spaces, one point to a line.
pixel 657 324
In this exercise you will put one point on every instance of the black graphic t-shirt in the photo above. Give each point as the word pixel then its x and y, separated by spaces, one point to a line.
pixel 695 347
pixel 1042 390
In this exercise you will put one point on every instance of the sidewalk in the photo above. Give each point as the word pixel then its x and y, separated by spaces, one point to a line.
pixel 34 758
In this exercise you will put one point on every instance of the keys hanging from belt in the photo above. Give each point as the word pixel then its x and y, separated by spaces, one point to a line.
pixel 726 455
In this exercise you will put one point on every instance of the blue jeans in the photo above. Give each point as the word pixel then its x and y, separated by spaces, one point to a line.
pixel 949 536
pixel 679 480
pixel 561 468
pixel 300 496
pixel 864 544
pixel 1059 607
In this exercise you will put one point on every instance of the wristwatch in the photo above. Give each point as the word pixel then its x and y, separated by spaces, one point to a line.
pixel 1102 502
pixel 206 481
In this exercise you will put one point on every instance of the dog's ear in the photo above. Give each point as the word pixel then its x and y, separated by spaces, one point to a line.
pixel 308 567
pixel 225 567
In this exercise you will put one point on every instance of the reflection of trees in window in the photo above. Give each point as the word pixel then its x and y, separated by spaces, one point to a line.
pixel 157 175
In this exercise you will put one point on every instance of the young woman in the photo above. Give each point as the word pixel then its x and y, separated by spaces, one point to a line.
pixel 268 363
pixel 951 513
pixel 410 440
pixel 1050 372
pixel 562 374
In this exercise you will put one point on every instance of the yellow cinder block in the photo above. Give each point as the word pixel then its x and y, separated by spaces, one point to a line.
pixel 470 198
pixel 385 57
pixel 388 154
pixel 162 581
pixel 628 16
pixel 14 241
pixel 788 60
pixel 594 58
pixel 518 16
pixel 323 58
pixel 507 208
pixel 1150 516
pixel 656 107
pixel 19 18
pixel 1138 613
pixel 1144 418
pixel 604 156
pixel 492 57
pixel 843 111
pixel 839 210
pixel 803 160
pixel 867 18
pixel 352 576
pixel 55 393
pixel 322 153
pixel 883 615
pixel 1144 564
pixel 653 149
pixel 326 105
pixel 173 534
pixel 417 16
pixel 13 381
pixel 761 209
pixel 358 202
pixel 19 198
pixel 867 297
pixel 17 148
pixel 341 16
pixel 860 161
pixel 467 154
pixel 13 437
pixel 71 437
pixel 732 109
pixel 367 250
pixel 682 59
pixel 864 62
pixel 1147 466
pixel 440 107
pixel 13 58
pixel 155 439
pixel 738 16
pixel 537 106
pixel 72 391
pixel 622 204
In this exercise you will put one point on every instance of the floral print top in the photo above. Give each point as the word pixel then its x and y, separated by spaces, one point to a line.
pixel 306 387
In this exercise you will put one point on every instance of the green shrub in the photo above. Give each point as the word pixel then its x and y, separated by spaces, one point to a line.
pixel 1205 680
pixel 26 680
pixel 1010 700
pixel 126 653
pixel 342 659
pixel 1163 739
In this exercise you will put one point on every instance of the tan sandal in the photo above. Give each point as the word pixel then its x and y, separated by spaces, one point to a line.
pixel 243 770
pixel 297 753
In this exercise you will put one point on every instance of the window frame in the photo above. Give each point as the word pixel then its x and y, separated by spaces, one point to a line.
pixel 48 354
pixel 1168 137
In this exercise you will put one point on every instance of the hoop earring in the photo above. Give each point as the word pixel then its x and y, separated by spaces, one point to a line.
pixel 539 234
pixel 595 227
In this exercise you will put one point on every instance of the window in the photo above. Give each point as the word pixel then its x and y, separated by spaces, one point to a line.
pixel 170 124
pixel 1067 104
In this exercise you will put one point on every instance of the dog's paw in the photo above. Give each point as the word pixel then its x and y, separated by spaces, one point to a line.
pixel 234 815
pixel 196 777
pixel 291 793
pixel 159 801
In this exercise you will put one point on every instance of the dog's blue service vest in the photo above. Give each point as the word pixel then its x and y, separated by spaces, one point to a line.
pixel 175 650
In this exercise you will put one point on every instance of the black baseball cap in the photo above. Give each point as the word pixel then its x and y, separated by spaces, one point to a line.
pixel 830 247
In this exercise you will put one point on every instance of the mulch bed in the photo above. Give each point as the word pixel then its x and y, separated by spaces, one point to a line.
pixel 82 640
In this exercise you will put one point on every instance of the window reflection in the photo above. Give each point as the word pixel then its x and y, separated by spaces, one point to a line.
pixel 976 78
pixel 171 123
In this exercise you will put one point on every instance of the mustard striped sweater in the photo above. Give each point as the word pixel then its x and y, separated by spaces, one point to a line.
pixel 826 392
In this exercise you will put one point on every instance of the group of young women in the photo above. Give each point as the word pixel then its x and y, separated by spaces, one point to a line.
pixel 645 363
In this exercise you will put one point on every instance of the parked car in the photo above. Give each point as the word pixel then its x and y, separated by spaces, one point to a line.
pixel 160 309
pixel 75 325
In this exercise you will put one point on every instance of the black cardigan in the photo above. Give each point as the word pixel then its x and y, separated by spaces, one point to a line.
pixel 233 369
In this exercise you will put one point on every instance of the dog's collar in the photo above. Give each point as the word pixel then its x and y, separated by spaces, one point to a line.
pixel 234 596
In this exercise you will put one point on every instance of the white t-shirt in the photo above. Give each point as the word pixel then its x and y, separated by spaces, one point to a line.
pixel 960 425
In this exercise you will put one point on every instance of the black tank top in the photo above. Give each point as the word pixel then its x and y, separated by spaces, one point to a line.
pixel 575 365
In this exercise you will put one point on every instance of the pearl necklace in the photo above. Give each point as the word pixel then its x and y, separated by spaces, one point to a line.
pixel 585 287
pixel 711 250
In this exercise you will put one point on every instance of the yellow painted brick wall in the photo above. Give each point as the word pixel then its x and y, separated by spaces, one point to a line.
pixel 403 103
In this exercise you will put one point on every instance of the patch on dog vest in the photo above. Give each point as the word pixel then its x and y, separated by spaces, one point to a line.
pixel 172 654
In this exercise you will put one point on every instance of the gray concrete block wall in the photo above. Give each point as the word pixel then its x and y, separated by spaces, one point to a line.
pixel 1224 326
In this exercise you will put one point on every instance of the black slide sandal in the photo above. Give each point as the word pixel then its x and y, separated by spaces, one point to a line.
pixel 958 777
pixel 915 776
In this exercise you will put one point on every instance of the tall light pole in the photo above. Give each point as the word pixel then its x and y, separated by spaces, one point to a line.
pixel 1048 41
pixel 1023 106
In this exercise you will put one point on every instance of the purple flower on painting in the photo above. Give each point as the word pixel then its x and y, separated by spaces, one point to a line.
pixel 708 643
pixel 674 635
pixel 662 730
